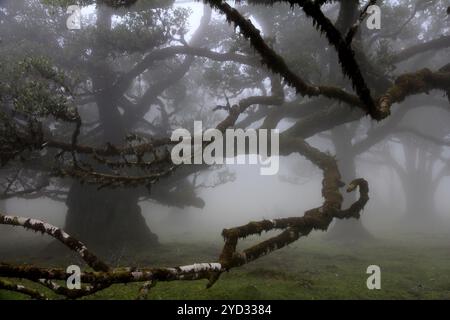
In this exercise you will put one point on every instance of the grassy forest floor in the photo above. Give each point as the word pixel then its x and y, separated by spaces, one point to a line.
pixel 415 267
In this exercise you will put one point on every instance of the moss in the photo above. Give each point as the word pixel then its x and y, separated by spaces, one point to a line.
pixel 411 269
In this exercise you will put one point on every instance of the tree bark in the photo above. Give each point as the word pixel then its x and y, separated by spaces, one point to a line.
pixel 346 230
pixel 107 219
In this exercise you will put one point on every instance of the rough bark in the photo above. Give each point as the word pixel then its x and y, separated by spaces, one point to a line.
pixel 115 212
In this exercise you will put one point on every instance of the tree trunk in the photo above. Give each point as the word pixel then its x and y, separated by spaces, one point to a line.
pixel 351 230
pixel 107 219
pixel 418 185
pixel 345 230
pixel 420 205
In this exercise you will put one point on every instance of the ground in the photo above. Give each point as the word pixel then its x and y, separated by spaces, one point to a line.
pixel 412 267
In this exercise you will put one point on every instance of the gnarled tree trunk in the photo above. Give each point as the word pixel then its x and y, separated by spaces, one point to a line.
pixel 107 219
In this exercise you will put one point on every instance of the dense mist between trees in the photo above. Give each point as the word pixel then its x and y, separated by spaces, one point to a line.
pixel 78 104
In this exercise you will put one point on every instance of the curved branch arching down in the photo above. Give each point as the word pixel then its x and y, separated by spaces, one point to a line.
pixel 39 226
pixel 407 84
pixel 345 52
pixel 295 227
pixel 276 63
pixel 314 219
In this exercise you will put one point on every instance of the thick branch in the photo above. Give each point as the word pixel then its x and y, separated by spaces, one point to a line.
pixel 57 233
pixel 422 81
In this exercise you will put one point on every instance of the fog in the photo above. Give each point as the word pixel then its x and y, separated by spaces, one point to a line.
pixel 129 77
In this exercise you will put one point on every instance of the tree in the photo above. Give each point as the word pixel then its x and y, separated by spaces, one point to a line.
pixel 45 102
pixel 420 164
pixel 98 54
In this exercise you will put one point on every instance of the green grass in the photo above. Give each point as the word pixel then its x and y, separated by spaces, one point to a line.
pixel 309 269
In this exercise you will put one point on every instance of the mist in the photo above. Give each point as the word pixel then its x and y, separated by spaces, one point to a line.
pixel 87 113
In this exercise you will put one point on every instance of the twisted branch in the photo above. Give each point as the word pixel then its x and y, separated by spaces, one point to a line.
pixel 293 228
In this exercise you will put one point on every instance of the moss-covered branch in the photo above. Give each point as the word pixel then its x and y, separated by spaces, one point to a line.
pixel 422 81
pixel 39 226
pixel 293 228
pixel 5 285
pixel 276 63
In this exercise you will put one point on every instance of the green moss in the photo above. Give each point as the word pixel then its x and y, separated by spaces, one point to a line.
pixel 309 269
